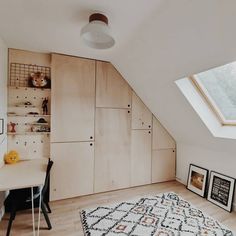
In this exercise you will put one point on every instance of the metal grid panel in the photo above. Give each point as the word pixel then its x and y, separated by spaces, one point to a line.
pixel 19 73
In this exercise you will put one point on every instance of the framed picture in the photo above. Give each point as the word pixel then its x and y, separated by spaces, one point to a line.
pixel 197 180
pixel 221 190
pixel 1 126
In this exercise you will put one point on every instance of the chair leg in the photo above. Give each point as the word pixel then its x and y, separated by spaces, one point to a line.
pixel 12 217
pixel 46 215
pixel 48 207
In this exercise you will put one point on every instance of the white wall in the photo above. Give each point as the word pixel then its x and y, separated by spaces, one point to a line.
pixel 3 105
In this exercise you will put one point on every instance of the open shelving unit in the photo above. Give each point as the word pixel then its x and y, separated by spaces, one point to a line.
pixel 31 138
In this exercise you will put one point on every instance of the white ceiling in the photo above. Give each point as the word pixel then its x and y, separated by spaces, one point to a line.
pixel 54 25
pixel 158 42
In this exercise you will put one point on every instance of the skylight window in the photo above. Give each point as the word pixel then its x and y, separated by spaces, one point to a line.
pixel 218 86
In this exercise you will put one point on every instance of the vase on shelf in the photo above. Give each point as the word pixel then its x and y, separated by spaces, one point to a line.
pixel 12 127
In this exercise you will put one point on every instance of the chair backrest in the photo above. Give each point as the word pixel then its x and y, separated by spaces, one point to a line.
pixel 49 167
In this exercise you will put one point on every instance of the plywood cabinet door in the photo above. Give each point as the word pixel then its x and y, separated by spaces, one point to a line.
pixel 141 157
pixel 73 98
pixel 72 173
pixel 163 165
pixel 112 149
pixel 111 89
pixel 141 115
pixel 161 138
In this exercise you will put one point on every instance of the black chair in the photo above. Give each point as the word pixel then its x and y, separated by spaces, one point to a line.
pixel 21 199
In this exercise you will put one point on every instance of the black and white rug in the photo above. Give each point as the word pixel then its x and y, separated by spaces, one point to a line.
pixel 165 214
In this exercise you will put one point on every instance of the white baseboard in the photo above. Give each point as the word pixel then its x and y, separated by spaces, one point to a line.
pixel 180 181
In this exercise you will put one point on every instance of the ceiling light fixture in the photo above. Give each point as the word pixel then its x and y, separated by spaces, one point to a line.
pixel 97 33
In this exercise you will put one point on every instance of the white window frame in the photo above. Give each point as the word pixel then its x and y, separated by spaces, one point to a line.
pixel 210 102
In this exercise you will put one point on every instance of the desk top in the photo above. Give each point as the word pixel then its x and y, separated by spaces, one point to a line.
pixel 23 174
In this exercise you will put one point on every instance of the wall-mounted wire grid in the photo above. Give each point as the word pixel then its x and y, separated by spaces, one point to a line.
pixel 19 73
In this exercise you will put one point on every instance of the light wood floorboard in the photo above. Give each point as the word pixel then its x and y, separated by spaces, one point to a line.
pixel 65 218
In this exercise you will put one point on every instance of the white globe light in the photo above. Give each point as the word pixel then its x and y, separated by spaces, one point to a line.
pixel 97 33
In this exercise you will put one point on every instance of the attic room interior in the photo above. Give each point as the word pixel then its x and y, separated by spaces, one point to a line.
pixel 117 118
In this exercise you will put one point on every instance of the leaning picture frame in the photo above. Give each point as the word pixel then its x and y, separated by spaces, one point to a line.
pixel 221 190
pixel 1 126
pixel 197 180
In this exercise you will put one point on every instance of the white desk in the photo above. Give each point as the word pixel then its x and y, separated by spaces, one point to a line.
pixel 24 174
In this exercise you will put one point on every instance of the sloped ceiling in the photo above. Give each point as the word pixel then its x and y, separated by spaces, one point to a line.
pixel 158 42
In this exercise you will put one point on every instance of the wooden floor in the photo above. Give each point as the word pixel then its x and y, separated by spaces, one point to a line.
pixel 66 219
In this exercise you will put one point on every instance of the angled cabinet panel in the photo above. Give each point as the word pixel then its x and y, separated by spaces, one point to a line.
pixel 161 138
pixel 112 149
pixel 141 115
pixel 141 154
pixel 163 165
pixel 72 173
pixel 73 98
pixel 111 89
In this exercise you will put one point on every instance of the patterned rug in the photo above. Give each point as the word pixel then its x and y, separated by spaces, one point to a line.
pixel 165 214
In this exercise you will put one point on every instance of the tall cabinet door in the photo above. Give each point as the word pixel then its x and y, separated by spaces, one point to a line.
pixel 111 89
pixel 73 170
pixel 112 149
pixel 141 154
pixel 73 98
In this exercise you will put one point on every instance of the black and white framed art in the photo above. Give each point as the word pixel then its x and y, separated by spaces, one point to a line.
pixel 221 190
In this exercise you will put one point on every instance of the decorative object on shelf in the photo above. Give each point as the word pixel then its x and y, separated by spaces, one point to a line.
pixel 39 80
pixel 197 180
pixel 1 126
pixel 221 190
pixel 45 106
pixel 28 103
pixel 12 157
pixel 25 104
pixel 20 73
pixel 96 34
pixel 41 121
pixel 12 127
pixel 41 125
pixel 11 113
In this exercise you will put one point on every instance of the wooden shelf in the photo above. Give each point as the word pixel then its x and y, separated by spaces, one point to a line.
pixel 36 123
pixel 27 115
pixel 26 106
pixel 27 88
pixel 29 133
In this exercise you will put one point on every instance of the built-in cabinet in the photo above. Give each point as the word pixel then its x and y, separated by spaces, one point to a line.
pixel 111 89
pixel 141 115
pixel 103 137
pixel 163 165
pixel 73 170
pixel 73 99
pixel 112 149
pixel 161 138
pixel 163 154
pixel 141 154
